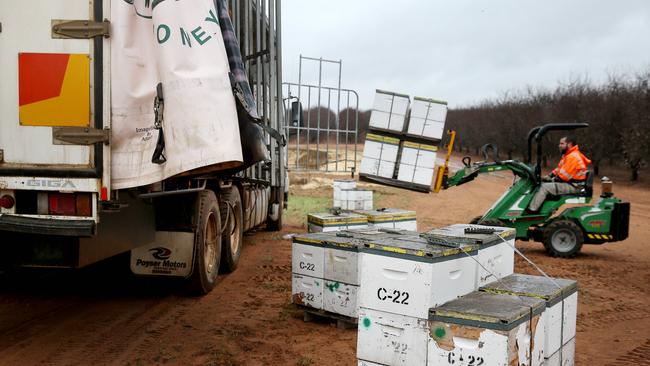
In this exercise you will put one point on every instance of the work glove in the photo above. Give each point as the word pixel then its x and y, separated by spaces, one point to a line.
pixel 547 178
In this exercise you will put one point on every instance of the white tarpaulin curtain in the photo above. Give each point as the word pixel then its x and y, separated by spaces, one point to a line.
pixel 178 44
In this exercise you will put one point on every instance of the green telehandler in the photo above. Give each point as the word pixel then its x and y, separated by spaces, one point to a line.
pixel 562 234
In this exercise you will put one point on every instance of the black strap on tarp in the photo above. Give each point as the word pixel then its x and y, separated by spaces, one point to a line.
pixel 158 107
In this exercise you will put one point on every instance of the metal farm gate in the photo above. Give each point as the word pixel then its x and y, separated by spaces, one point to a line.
pixel 322 123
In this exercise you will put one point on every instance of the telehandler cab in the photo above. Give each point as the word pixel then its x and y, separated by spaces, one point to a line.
pixel 563 234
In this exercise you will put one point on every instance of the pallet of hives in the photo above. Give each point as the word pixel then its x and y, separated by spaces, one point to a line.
pixel 342 321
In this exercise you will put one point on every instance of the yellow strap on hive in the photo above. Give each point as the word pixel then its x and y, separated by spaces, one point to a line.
pixel 383 139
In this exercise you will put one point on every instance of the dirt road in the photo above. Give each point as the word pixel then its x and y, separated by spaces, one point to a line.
pixel 102 315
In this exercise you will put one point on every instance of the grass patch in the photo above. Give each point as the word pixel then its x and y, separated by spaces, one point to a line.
pixel 300 206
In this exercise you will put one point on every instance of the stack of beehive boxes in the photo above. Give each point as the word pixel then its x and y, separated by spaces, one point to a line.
pixel 325 270
pixel 559 318
pixel 402 140
pixel 347 196
pixel 511 319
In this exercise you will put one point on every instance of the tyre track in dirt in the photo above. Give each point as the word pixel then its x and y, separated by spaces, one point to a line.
pixel 640 356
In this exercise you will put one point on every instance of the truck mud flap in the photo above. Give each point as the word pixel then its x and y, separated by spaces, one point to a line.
pixel 31 225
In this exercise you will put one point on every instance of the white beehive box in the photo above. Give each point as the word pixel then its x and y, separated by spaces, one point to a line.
pixel 486 329
pixel 326 222
pixel 560 328
pixel 389 111
pixel 564 357
pixel 333 257
pixel 307 291
pixel 354 199
pixel 391 339
pixel 341 298
pixel 496 254
pixel 379 155
pixel 391 218
pixel 337 186
pixel 417 163
pixel 427 118
pixel 408 276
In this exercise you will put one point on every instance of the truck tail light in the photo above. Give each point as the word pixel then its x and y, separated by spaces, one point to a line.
pixel 62 204
pixel 84 204
pixel 70 204
pixel 7 201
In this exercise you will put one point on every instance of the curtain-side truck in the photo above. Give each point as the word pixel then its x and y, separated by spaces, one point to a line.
pixel 57 208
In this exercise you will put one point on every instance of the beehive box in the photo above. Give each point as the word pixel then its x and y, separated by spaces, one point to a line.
pixel 391 218
pixel 379 155
pixel 332 258
pixel 564 357
pixel 417 163
pixel 342 184
pixel 326 222
pixel 408 277
pixel 561 296
pixel 496 254
pixel 389 111
pixel 427 118
pixel 307 291
pixel 391 339
pixel 487 329
pixel 354 199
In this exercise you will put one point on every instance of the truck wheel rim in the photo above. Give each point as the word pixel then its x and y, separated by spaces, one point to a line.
pixel 564 240
pixel 234 232
pixel 210 243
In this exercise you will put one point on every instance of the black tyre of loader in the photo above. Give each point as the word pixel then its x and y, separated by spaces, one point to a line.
pixel 207 244
pixel 232 219
pixel 563 238
pixel 278 197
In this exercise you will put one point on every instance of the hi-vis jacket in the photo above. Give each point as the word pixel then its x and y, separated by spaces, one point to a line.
pixel 572 166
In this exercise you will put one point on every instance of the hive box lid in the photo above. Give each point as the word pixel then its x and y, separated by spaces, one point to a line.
pixel 331 239
pixel 416 248
pixel 330 219
pixel 455 235
pixel 387 214
pixel 487 310
pixel 534 286
pixel 430 100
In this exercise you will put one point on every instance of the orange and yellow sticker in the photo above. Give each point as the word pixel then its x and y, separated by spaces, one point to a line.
pixel 54 89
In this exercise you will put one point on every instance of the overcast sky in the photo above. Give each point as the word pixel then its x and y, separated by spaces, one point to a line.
pixel 464 51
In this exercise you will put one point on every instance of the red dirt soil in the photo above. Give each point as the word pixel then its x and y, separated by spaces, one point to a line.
pixel 103 315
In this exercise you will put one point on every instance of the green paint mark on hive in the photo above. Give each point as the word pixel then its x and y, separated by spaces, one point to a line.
pixel 440 332
pixel 333 286
pixel 366 322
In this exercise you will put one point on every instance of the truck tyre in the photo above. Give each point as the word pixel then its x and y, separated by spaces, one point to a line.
pixel 207 244
pixel 563 238
pixel 232 219
pixel 277 194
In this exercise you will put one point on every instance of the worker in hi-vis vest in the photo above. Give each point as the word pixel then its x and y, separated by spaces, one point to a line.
pixel 567 178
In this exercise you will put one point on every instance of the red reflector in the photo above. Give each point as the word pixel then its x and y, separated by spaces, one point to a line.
pixel 84 204
pixel 62 204
pixel 104 194
pixel 7 201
